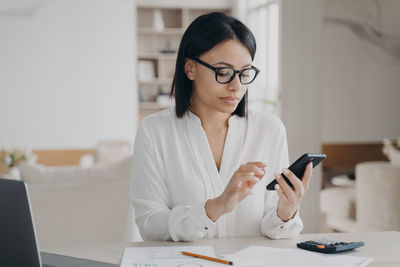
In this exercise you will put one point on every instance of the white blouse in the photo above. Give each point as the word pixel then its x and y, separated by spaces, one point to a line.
pixel 174 174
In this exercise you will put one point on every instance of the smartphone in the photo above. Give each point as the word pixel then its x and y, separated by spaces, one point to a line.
pixel 299 167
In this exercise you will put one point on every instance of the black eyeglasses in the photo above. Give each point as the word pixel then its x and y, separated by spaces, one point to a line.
pixel 226 74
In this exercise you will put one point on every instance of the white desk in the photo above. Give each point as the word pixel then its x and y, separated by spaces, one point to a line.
pixel 383 246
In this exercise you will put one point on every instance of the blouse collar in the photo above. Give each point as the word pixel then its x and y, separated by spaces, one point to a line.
pixel 194 118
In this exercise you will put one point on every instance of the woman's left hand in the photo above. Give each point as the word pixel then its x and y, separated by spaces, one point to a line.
pixel 289 198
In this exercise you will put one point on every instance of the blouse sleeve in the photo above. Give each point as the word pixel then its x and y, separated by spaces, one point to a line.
pixel 271 225
pixel 155 216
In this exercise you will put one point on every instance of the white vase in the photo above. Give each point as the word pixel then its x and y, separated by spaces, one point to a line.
pixel 158 22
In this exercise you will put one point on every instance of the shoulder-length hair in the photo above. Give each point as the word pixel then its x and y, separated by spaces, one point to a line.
pixel 203 34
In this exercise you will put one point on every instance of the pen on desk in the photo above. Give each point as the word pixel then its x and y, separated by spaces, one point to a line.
pixel 206 258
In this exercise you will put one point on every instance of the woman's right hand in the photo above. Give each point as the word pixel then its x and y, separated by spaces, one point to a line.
pixel 238 188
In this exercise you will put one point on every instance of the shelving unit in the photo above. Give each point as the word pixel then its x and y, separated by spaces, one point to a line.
pixel 160 26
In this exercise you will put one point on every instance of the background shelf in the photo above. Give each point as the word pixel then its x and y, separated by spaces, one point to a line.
pixel 160 26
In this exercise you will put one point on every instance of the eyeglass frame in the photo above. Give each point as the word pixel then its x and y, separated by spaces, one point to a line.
pixel 216 69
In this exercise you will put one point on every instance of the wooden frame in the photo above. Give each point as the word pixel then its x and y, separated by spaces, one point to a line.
pixel 60 157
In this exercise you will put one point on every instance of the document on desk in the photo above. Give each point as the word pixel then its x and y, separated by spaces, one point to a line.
pixel 265 256
pixel 167 257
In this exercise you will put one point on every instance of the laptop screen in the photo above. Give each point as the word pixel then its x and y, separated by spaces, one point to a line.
pixel 17 237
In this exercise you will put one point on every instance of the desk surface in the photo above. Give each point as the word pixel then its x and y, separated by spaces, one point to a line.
pixel 383 246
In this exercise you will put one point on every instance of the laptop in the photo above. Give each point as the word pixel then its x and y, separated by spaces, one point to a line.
pixel 18 244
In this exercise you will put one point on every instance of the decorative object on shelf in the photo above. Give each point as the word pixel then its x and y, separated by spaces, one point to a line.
pixel 158 22
pixel 168 48
pixel 11 158
pixel 391 148
pixel 146 70
pixel 163 99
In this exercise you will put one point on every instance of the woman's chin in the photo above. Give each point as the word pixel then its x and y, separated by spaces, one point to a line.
pixel 227 109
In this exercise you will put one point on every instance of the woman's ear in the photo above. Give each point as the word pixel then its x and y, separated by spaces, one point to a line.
pixel 189 69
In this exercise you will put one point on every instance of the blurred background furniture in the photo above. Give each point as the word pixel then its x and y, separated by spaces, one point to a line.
pixel 378 195
pixel 343 180
pixel 372 205
pixel 342 159
pixel 64 157
pixel 104 151
pixel 75 205
pixel 107 152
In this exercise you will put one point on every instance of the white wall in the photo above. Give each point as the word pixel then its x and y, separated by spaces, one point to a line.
pixel 301 71
pixel 67 72
pixel 361 74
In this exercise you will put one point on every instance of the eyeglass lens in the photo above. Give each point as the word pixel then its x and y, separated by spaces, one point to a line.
pixel 225 75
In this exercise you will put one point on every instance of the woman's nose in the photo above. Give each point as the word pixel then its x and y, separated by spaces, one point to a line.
pixel 235 84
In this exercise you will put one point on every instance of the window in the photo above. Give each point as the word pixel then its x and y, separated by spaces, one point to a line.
pixel 262 17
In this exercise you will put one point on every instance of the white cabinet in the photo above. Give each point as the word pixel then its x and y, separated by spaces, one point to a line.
pixel 160 26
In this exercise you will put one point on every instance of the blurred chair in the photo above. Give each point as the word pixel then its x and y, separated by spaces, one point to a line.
pixel 378 195
pixel 372 205
pixel 107 152
pixel 74 205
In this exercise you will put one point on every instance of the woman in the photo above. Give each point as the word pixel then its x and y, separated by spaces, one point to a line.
pixel 200 168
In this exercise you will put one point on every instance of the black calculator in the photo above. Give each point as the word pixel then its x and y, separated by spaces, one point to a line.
pixel 328 245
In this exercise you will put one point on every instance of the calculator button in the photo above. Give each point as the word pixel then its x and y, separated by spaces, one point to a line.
pixel 320 246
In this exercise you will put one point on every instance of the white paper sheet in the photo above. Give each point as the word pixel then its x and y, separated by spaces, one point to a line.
pixel 167 257
pixel 264 256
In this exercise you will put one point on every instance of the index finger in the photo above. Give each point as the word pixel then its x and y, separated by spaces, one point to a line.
pixel 307 175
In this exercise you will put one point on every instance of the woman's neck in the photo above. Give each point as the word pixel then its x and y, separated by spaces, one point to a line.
pixel 211 119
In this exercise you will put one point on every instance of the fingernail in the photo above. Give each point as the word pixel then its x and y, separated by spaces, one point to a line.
pixel 261 172
pixel 311 165
pixel 277 187
pixel 264 163
pixel 286 171
pixel 252 173
pixel 277 176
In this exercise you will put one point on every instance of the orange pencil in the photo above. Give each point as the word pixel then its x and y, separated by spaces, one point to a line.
pixel 206 258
